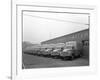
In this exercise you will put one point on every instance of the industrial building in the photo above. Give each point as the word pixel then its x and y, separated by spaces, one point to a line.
pixel 81 36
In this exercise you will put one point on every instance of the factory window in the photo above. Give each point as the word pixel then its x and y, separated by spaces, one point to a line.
pixel 78 35
pixel 75 35
pixel 81 35
pixel 85 34
pixel 72 36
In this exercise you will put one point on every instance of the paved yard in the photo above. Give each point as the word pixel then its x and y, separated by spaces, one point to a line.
pixel 31 61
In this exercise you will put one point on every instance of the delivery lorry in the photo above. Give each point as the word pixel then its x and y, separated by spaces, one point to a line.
pixel 72 50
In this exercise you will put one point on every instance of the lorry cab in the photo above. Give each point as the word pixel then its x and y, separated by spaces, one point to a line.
pixel 58 48
pixel 47 52
pixel 56 53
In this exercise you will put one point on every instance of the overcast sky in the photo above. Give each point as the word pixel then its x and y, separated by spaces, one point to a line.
pixel 41 26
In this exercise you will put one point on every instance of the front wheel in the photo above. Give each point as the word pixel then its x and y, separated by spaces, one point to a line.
pixel 72 57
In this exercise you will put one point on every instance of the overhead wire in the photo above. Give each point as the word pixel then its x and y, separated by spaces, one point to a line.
pixel 55 19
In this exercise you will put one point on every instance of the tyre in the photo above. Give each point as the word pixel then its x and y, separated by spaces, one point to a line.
pixel 71 57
